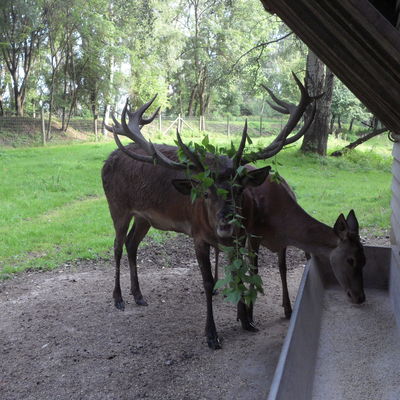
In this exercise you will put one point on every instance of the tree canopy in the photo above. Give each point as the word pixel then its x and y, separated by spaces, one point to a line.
pixel 74 57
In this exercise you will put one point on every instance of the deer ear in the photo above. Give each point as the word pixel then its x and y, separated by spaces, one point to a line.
pixel 184 186
pixel 352 222
pixel 341 227
pixel 255 177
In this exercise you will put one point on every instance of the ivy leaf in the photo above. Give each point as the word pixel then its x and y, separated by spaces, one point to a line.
pixel 222 192
pixel 240 170
pixel 233 296
pixel 221 283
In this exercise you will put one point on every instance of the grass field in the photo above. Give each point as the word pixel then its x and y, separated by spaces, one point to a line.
pixel 52 207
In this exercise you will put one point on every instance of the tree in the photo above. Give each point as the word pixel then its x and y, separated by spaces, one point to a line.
pixel 21 34
pixel 320 80
pixel 346 107
pixel 60 26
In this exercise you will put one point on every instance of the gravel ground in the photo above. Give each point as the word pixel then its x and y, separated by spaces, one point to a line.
pixel 62 338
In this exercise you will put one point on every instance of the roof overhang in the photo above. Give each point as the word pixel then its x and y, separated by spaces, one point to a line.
pixel 357 43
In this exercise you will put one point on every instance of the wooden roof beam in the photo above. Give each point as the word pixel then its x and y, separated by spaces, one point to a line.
pixel 357 43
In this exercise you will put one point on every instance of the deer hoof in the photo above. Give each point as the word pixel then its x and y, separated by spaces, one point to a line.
pixel 249 326
pixel 288 313
pixel 141 302
pixel 120 304
pixel 214 343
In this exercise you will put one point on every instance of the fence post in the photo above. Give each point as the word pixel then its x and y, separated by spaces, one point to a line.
pixel 159 122
pixel 202 123
pixel 95 128
pixel 43 127
pixel 179 124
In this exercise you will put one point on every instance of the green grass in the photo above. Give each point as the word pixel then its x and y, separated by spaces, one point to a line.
pixel 53 210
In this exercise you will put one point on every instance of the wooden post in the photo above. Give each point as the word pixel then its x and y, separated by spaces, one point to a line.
pixel 260 124
pixel 95 128
pixel 179 124
pixel 159 122
pixel 202 123
pixel 43 127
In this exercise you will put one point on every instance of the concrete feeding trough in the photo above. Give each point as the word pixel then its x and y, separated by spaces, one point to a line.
pixel 338 350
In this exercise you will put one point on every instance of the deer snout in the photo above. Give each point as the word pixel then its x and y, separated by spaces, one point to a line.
pixel 224 229
pixel 356 298
pixel 224 224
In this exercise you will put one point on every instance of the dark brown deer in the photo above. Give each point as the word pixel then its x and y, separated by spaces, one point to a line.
pixel 146 182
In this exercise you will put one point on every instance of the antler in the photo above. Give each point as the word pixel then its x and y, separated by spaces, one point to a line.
pixel 295 112
pixel 132 131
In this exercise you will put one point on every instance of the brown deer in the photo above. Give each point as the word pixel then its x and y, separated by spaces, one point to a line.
pixel 275 220
pixel 145 181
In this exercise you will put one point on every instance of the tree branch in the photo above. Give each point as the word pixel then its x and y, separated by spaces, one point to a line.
pixel 363 139
pixel 264 44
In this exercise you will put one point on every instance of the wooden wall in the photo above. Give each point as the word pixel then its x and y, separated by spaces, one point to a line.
pixel 395 218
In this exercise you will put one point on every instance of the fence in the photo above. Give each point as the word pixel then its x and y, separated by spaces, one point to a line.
pixel 79 128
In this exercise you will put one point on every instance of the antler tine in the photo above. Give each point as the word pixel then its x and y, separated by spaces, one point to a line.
pixel 136 156
pixel 277 108
pixel 305 127
pixel 145 121
pixel 238 156
pixel 277 146
pixel 189 154
pixel 132 131
pixel 295 113
pixel 283 104
pixel 117 128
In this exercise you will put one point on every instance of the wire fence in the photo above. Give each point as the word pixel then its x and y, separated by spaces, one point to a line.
pixel 80 128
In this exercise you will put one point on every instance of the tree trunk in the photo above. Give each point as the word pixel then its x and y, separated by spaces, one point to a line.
pixel 351 124
pixel 332 123
pixel 51 103
pixel 339 124
pixel 316 138
pixel 191 102
pixel 18 99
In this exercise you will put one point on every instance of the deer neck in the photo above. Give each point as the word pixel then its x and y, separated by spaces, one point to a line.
pixel 311 235
pixel 275 215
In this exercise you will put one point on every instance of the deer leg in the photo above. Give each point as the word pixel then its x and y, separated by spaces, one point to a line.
pixel 254 246
pixel 203 257
pixel 216 250
pixel 121 227
pixel 245 312
pixel 285 292
pixel 135 236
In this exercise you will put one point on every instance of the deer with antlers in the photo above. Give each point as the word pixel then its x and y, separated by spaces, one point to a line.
pixel 147 182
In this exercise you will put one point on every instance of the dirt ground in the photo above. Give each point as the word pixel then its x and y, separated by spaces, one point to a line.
pixel 62 338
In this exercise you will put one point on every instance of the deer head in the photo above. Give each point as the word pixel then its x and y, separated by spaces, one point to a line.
pixel 348 259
